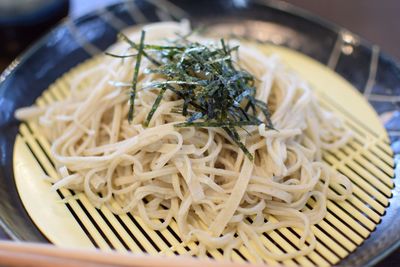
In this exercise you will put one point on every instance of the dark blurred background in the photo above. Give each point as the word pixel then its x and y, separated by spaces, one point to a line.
pixel 24 21
pixel 376 21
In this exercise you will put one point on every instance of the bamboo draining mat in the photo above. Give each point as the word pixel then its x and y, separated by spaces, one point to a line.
pixel 367 160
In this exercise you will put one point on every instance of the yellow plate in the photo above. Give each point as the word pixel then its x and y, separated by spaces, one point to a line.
pixel 367 161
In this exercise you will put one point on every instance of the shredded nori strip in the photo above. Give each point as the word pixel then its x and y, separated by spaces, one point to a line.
pixel 135 77
pixel 216 92
pixel 155 106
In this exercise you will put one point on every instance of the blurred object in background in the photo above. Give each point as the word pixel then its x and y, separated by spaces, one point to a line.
pixel 81 7
pixel 24 21
pixel 376 21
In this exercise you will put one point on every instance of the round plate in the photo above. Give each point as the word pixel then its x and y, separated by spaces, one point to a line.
pixel 373 73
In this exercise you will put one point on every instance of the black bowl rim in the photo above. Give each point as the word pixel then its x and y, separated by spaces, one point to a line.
pixel 275 4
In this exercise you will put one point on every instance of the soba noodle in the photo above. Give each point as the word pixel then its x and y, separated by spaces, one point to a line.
pixel 197 177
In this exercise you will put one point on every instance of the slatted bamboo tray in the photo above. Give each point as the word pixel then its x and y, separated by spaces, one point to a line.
pixel 367 160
